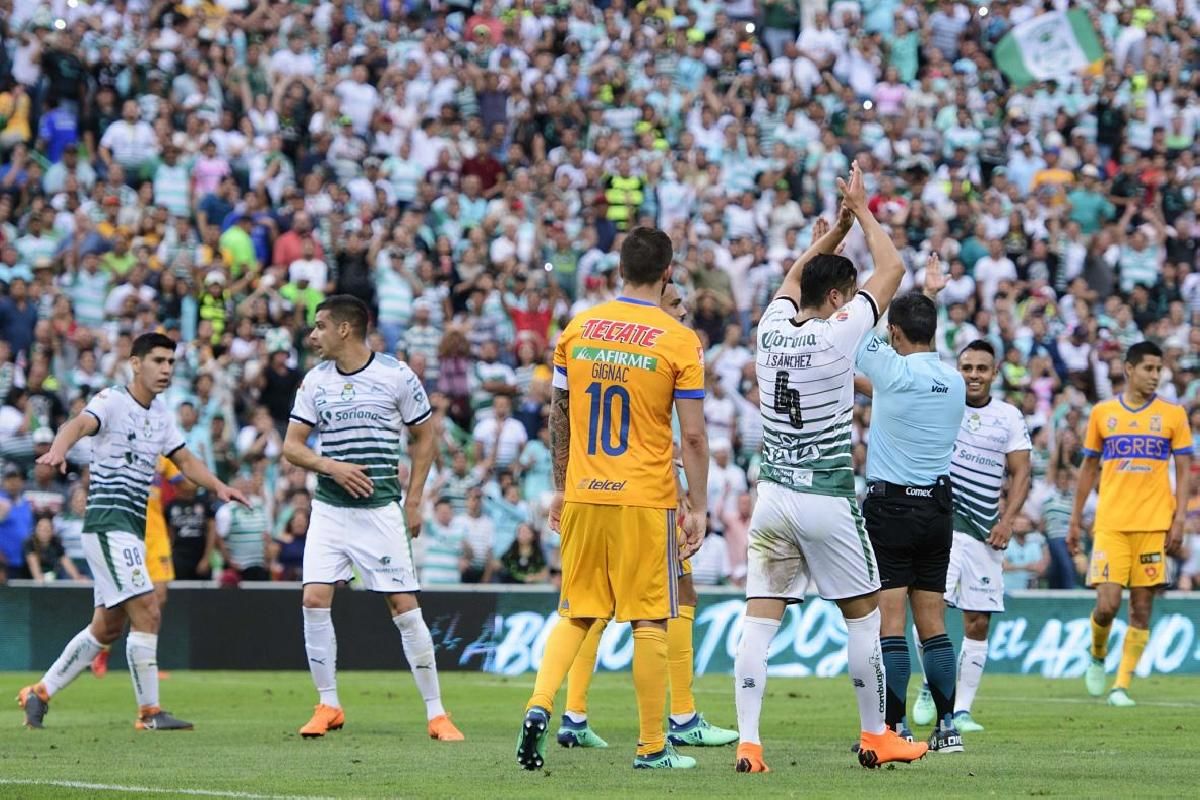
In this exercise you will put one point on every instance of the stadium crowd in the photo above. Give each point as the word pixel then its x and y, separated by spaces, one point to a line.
pixel 214 168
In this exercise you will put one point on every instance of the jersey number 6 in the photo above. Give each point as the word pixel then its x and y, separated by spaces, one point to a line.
pixel 787 401
pixel 600 419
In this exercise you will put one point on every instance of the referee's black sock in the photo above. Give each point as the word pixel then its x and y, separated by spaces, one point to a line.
pixel 897 668
pixel 938 654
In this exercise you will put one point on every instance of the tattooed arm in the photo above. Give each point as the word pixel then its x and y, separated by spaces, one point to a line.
pixel 560 448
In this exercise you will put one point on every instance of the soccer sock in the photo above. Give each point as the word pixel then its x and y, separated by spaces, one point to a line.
pixel 561 648
pixel 971 662
pixel 1100 639
pixel 650 685
pixel 76 657
pixel 897 669
pixel 750 674
pixel 579 678
pixel 418 649
pixel 1131 653
pixel 679 664
pixel 141 651
pixel 938 653
pixel 865 665
pixel 320 642
pixel 916 637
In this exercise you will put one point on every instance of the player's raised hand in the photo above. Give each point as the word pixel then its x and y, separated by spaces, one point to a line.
pixel 845 221
pixel 854 193
pixel 1074 535
pixel 352 477
pixel 820 228
pixel 555 514
pixel 695 525
pixel 935 279
pixel 227 494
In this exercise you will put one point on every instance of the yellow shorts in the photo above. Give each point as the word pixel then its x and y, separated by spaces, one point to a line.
pixel 1132 559
pixel 620 562
pixel 158 554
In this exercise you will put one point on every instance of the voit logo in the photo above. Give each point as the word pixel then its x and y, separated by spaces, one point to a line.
pixel 600 485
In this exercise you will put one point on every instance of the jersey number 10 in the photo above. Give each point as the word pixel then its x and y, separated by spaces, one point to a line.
pixel 601 421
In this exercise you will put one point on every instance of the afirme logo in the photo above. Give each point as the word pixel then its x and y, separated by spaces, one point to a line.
pixel 601 486
pixel 911 492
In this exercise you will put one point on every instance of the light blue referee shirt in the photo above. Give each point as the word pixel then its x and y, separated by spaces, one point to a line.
pixel 916 410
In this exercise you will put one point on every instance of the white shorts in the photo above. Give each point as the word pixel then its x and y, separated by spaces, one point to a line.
pixel 372 539
pixel 975 579
pixel 798 538
pixel 118 563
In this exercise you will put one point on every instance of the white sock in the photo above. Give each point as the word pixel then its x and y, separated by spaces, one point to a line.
pixel 418 649
pixel 680 719
pixel 865 665
pixel 141 651
pixel 575 717
pixel 76 657
pixel 320 642
pixel 750 674
pixel 971 660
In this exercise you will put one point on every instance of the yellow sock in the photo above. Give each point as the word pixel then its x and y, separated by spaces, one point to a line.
pixel 650 684
pixel 579 679
pixel 1135 643
pixel 679 661
pixel 1100 639
pixel 561 648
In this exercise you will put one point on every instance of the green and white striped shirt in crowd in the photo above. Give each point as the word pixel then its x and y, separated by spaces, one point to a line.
pixel 360 418
pixel 442 547
pixel 244 531
pixel 125 452
pixel 171 189
pixel 1056 514
pixel 88 291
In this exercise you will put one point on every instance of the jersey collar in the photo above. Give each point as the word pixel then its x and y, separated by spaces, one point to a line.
pixel 1121 400
pixel 370 360
pixel 635 301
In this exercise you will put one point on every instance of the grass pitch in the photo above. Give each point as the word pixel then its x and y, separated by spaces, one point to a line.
pixel 1043 738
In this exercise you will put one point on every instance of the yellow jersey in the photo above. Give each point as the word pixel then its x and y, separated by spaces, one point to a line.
pixel 1135 446
pixel 166 472
pixel 624 363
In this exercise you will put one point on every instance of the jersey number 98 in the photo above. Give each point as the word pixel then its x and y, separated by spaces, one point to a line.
pixel 601 419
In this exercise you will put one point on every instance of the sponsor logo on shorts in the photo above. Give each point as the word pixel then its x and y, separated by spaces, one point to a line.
pixel 913 492
pixel 594 485
pixel 1151 572
pixel 1150 558
pixel 385 560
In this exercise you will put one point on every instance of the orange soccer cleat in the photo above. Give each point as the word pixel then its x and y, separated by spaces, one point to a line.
pixel 877 749
pixel 100 664
pixel 750 758
pixel 35 701
pixel 324 719
pixel 442 729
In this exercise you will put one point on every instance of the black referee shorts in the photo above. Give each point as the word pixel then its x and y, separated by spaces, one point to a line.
pixel 911 530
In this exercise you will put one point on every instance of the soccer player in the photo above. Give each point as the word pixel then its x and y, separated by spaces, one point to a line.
pixel 806 526
pixel 686 725
pixel 992 441
pixel 132 428
pixel 359 402
pixel 159 566
pixel 1129 441
pixel 617 369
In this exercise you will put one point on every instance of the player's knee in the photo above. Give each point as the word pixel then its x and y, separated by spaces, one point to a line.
pixel 314 597
pixel 1105 611
pixel 975 626
pixel 402 603
pixel 1140 607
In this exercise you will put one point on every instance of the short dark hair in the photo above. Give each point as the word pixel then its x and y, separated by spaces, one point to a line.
pixel 822 273
pixel 915 315
pixel 1136 353
pixel 645 255
pixel 143 344
pixel 982 346
pixel 347 308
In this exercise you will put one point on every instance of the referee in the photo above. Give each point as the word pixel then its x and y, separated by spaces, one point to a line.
pixel 917 409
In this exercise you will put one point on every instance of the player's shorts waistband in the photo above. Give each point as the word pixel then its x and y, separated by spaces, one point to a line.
pixel 938 492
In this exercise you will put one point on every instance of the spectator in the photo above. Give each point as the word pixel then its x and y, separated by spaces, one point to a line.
pixel 244 535
pixel 443 546
pixel 499 439
pixel 192 525
pixel 45 557
pixel 287 550
pixel 524 561
pixel 480 540
pixel 1026 558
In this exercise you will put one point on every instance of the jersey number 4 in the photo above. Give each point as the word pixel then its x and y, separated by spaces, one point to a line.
pixel 787 400
pixel 602 419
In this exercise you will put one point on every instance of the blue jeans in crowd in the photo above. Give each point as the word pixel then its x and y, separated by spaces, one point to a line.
pixel 1062 566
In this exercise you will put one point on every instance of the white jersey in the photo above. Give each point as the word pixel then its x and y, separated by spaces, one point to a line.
pixel 987 435
pixel 359 418
pixel 806 385
pixel 125 453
